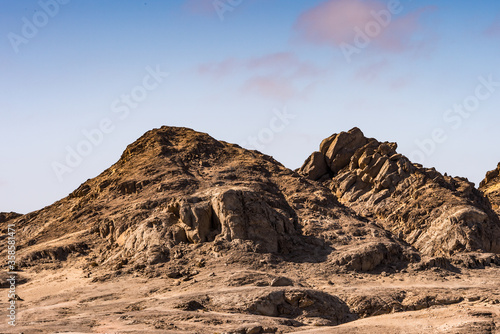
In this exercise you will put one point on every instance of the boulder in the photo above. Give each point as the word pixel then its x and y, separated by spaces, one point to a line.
pixel 244 214
pixel 315 166
pixel 342 147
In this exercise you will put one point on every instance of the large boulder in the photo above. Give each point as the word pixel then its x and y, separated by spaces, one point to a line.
pixel 339 148
pixel 244 214
pixel 315 166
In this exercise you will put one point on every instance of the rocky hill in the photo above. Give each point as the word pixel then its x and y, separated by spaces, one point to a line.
pixel 438 214
pixel 490 186
pixel 188 234
pixel 174 187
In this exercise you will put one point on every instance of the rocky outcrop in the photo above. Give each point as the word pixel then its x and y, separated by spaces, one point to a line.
pixel 490 186
pixel 378 302
pixel 243 214
pixel 438 214
pixel 368 256
pixel 227 214
pixel 298 304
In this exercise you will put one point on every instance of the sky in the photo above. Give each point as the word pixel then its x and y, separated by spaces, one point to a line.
pixel 80 80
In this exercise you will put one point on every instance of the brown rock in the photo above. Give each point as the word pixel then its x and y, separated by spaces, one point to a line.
pixel 281 281
pixel 490 186
pixel 342 147
pixel 175 190
pixel 315 166
pixel 439 215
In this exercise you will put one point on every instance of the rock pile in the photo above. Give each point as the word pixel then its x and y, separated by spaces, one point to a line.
pixel 439 215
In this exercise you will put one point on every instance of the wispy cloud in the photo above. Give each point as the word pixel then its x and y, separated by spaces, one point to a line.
pixel 271 87
pixel 402 34
pixel 334 22
pixel 278 75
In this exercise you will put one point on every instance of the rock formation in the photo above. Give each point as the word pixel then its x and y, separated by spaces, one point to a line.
pixel 176 187
pixel 188 234
pixel 439 215
pixel 490 186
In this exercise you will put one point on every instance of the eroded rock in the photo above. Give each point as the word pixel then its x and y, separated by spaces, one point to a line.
pixel 439 215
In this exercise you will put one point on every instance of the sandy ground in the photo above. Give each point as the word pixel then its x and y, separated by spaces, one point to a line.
pixel 68 301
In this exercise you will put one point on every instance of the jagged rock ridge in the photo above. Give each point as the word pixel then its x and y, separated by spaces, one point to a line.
pixel 439 215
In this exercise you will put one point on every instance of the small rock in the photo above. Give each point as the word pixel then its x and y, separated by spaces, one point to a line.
pixel 191 305
pixel 281 281
pixel 174 274
pixel 254 330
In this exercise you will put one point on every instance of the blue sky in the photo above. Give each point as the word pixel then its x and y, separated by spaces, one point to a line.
pixel 234 68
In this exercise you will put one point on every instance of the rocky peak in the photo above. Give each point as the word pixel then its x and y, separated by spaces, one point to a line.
pixel 439 215
pixel 167 141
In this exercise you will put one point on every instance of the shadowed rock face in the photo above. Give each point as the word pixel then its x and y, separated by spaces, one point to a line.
pixel 175 187
pixel 437 214
pixel 490 186
pixel 6 216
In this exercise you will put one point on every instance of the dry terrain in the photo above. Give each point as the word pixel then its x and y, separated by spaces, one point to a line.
pixel 188 234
